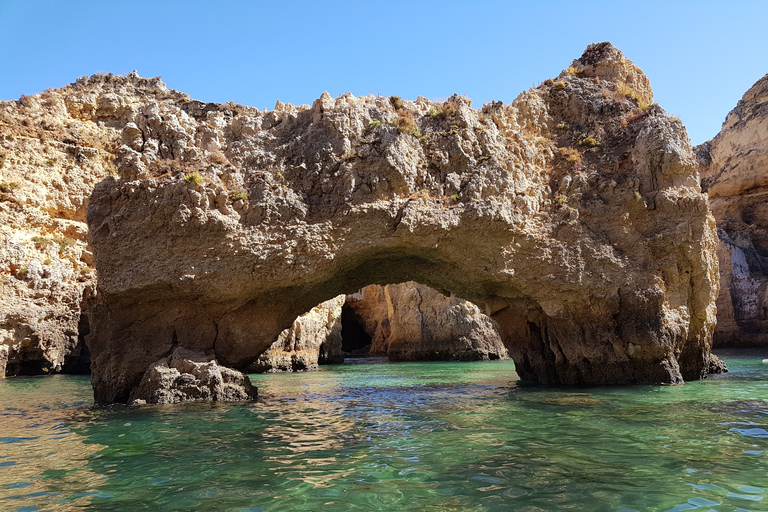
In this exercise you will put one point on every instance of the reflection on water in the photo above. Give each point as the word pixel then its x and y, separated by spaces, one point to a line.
pixel 405 436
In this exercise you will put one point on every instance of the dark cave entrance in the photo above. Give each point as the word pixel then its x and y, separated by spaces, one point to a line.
pixel 355 341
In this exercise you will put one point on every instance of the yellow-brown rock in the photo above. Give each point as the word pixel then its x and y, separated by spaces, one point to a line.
pixel 735 174
pixel 413 322
pixel 313 338
pixel 574 217
pixel 54 147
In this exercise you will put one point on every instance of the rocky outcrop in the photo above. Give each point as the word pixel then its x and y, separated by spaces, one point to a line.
pixel 573 216
pixel 186 376
pixel 54 147
pixel 313 338
pixel 735 175
pixel 413 322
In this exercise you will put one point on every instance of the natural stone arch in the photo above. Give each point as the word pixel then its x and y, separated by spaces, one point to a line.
pixel 573 217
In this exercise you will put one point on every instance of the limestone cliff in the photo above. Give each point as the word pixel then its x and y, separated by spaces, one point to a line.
pixel 413 322
pixel 313 338
pixel 574 216
pixel 54 147
pixel 735 175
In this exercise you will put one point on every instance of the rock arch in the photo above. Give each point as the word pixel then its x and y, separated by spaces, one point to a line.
pixel 573 217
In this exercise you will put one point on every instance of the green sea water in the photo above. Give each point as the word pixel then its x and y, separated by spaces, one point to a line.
pixel 394 436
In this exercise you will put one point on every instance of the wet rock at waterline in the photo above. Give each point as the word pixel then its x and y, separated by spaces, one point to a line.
pixel 573 216
pixel 186 375
pixel 735 175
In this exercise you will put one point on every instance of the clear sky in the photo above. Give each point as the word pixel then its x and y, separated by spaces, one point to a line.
pixel 700 56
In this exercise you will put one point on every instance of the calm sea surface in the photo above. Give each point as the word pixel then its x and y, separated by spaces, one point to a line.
pixel 394 436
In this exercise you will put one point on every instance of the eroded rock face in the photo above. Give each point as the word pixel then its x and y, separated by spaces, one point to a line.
pixel 186 376
pixel 735 174
pixel 573 216
pixel 313 338
pixel 54 147
pixel 413 322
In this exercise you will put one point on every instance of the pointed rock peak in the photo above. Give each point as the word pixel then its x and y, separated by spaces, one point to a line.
pixel 597 52
pixel 758 92
pixel 323 103
pixel 605 61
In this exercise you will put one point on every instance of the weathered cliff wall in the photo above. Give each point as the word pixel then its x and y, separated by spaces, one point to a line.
pixel 573 216
pixel 413 322
pixel 313 338
pixel 54 147
pixel 735 175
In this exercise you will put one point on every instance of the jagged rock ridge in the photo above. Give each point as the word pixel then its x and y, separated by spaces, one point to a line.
pixel 574 217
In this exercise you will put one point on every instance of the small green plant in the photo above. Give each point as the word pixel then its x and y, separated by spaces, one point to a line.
pixel 374 124
pixel 432 112
pixel 571 155
pixel 22 273
pixel 65 243
pixel 237 195
pixel 406 124
pixel 86 270
pixel 455 198
pixel 41 241
pixel 396 101
pixel 560 85
pixel 574 71
pixel 638 197
pixel 589 142
pixel 193 177
pixel 561 198
pixel 50 162
pixel 562 126
pixel 47 261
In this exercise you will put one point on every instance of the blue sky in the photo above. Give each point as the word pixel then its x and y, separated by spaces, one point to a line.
pixel 700 56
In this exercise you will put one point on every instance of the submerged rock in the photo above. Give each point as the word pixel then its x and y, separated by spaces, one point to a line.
pixel 573 216
pixel 735 175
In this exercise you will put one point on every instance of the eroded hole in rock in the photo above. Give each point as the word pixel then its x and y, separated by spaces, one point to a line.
pixel 402 322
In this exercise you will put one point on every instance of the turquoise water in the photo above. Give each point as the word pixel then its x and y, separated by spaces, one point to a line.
pixel 394 436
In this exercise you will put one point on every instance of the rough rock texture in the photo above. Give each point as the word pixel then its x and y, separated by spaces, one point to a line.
pixel 412 322
pixel 54 147
pixel 573 216
pixel 313 338
pixel 186 375
pixel 735 174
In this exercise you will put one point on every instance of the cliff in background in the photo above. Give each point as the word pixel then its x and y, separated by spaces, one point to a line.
pixel 54 147
pixel 735 175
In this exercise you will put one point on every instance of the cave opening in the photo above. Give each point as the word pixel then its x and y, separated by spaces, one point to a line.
pixel 355 341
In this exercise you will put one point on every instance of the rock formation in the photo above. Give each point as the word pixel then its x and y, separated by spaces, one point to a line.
pixel 186 375
pixel 413 322
pixel 573 216
pixel 313 338
pixel 735 175
pixel 54 147
pixel 404 322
